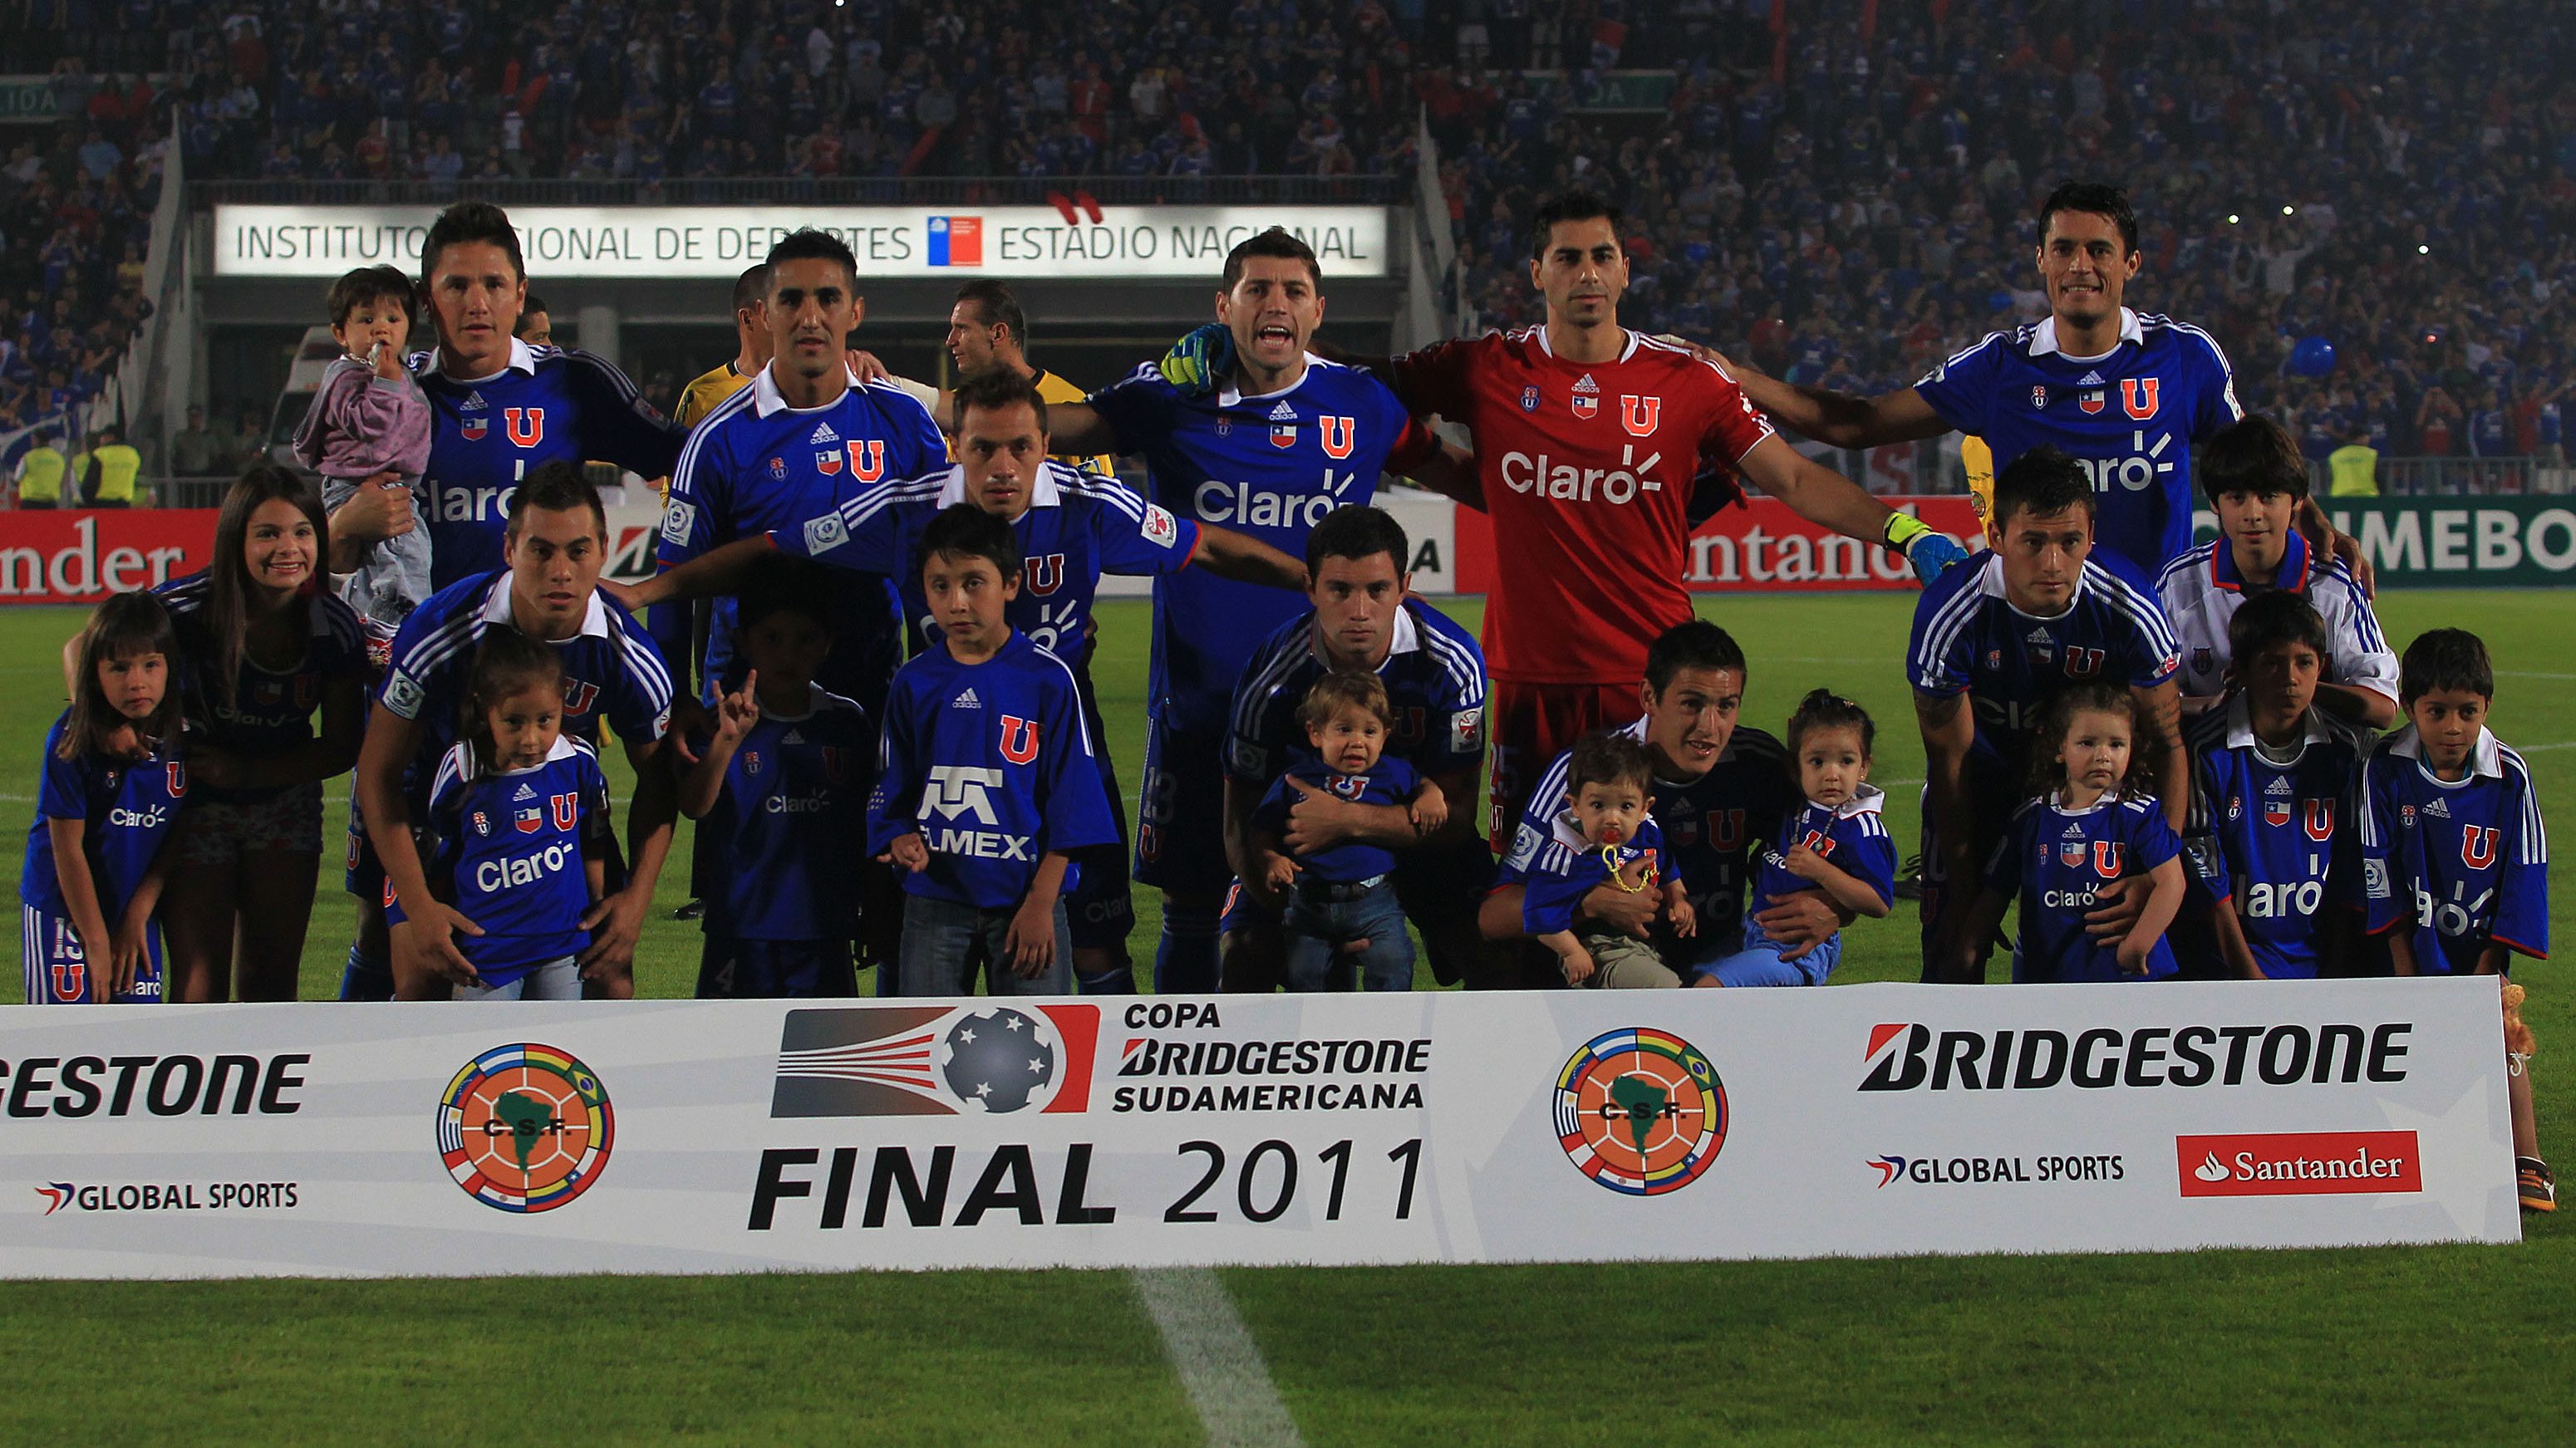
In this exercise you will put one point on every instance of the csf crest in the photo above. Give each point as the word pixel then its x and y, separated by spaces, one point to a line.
pixel 2092 401
pixel 2276 812
pixel 2070 853
pixel 828 461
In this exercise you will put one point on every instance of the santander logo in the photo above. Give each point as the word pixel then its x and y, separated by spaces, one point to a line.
pixel 2298 1163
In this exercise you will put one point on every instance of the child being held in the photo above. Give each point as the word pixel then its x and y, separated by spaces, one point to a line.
pixel 370 418
pixel 105 801
pixel 519 816
pixel 1342 897
pixel 2092 822
pixel 1607 809
pixel 1836 843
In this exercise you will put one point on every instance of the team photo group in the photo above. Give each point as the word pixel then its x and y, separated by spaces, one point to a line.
pixel 864 670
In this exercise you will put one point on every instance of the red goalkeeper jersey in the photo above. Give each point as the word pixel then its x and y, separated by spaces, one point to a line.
pixel 1586 471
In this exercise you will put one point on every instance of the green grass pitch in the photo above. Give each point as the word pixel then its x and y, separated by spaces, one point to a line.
pixel 2367 1345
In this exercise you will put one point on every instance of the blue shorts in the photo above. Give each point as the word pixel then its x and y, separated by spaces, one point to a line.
pixel 734 969
pixel 58 971
pixel 1180 816
pixel 1760 962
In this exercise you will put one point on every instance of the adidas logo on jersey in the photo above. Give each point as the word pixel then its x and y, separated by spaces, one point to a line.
pixel 2439 809
pixel 823 433
pixel 1586 384
pixel 2074 832
pixel 793 737
pixel 473 403
pixel 1283 413
pixel 2277 786
pixel 966 700
pixel 524 793
pixel 2092 379
pixel 2040 636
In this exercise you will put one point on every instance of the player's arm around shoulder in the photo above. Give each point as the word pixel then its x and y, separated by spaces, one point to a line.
pixel 1837 419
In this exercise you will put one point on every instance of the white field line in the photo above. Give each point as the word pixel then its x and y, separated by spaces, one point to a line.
pixel 1219 1364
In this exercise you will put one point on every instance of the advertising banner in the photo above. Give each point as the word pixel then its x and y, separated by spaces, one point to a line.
pixel 52 556
pixel 1763 547
pixel 2461 541
pixel 568 243
pixel 697 1137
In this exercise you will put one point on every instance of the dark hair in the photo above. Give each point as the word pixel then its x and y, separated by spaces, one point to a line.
pixel 1337 691
pixel 2269 620
pixel 127 624
pixel 1609 757
pixel 998 388
pixel 2253 456
pixel 808 244
pixel 506 662
pixel 1570 206
pixel 531 303
pixel 1276 242
pixel 1357 531
pixel 1825 709
pixel 2098 199
pixel 558 486
pixel 2048 774
pixel 368 284
pixel 2445 658
pixel 786 585
pixel 1691 644
pixel 997 306
pixel 962 530
pixel 467 222
pixel 2043 481
pixel 227 618
pixel 751 288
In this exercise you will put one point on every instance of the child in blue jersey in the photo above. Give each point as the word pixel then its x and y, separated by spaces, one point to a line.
pixel 779 792
pixel 2454 856
pixel 1341 897
pixel 1606 783
pixel 2092 822
pixel 1835 842
pixel 106 799
pixel 2269 840
pixel 519 816
pixel 986 785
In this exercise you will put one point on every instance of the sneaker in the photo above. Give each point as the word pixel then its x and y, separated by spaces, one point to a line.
pixel 2534 1184
pixel 694 910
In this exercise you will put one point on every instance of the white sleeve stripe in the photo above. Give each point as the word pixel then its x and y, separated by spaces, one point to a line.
pixel 684 472
pixel 645 664
pixel 1950 620
pixel 1461 663
pixel 442 644
pixel 2147 615
pixel 1973 348
pixel 1081 725
pixel 2534 836
pixel 1266 682
pixel 867 505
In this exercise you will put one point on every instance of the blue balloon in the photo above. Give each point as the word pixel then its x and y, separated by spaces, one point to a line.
pixel 2312 357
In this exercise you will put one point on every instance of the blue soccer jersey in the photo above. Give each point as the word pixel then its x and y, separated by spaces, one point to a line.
pixel 126 808
pixel 1852 837
pixel 1708 825
pixel 794 801
pixel 992 765
pixel 486 433
pixel 1077 527
pixel 1271 465
pixel 755 464
pixel 268 711
pixel 1435 683
pixel 611 669
pixel 512 844
pixel 1391 782
pixel 2457 864
pixel 2270 833
pixel 1969 638
pixel 1553 889
pixel 2129 416
pixel 2054 859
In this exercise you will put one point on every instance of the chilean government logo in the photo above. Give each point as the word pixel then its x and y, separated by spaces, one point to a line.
pixel 1640 1111
pixel 525 1128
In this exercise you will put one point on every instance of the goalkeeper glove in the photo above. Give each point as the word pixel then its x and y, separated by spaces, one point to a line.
pixel 1928 551
pixel 1199 361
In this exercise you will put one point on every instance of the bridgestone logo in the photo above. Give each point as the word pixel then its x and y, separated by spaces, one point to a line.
pixel 1909 1057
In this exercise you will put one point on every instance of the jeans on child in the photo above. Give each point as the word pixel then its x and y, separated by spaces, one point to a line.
pixel 944 942
pixel 1322 917
pixel 1759 962
pixel 556 980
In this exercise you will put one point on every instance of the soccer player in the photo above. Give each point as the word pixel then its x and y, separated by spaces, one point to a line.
pixel 499 408
pixel 1072 528
pixel 988 785
pixel 1588 441
pixel 1997 638
pixel 1362 620
pixel 536 326
pixel 2125 393
pixel 556 539
pixel 752 349
pixel 987 332
pixel 2270 839
pixel 2454 855
pixel 2257 483
pixel 1715 784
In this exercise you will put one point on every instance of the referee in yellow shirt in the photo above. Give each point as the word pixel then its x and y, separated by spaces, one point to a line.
pixel 751 349
pixel 987 331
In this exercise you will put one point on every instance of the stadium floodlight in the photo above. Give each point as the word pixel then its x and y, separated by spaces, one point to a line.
pixel 2289 210
pixel 2231 218
pixel 2423 250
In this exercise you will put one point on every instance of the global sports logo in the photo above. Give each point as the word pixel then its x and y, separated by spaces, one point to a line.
pixel 935 1060
pixel 525 1128
pixel 1640 1111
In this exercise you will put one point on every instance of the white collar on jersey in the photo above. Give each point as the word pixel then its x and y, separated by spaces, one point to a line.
pixel 564 749
pixel 1868 799
pixel 766 399
pixel 1043 493
pixel 496 609
pixel 2486 757
pixel 523 358
pixel 2057 802
pixel 1990 582
pixel 2240 721
pixel 1625 352
pixel 2043 338
pixel 1408 637
pixel 1229 395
